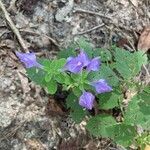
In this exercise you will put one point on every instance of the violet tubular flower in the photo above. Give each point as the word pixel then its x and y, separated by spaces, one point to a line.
pixel 101 86
pixel 94 64
pixel 86 100
pixel 29 59
pixel 84 58
pixel 76 64
pixel 73 65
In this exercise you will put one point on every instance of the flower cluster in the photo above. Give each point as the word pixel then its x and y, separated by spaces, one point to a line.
pixel 76 65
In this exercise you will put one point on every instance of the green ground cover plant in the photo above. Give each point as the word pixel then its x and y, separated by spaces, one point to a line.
pixel 97 80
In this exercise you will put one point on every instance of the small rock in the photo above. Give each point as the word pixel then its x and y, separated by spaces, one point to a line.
pixel 21 21
pixel 8 111
pixel 64 11
pixel 5 83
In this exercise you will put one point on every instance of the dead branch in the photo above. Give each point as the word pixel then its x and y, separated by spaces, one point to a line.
pixel 92 13
pixel 13 27
pixel 90 30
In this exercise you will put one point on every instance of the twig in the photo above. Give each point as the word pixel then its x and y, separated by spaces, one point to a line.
pixel 13 27
pixel 92 13
pixel 87 31
pixel 35 33
pixel 146 70
pixel 101 15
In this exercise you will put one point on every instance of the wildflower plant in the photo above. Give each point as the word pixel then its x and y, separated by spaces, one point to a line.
pixel 96 80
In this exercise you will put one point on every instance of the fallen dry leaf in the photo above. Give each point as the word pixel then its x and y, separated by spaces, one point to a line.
pixel 33 144
pixel 144 40
pixel 147 147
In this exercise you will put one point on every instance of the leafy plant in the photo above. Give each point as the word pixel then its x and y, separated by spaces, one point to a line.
pixel 97 79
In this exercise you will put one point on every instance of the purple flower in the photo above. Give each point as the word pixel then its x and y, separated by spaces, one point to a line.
pixel 102 86
pixel 29 59
pixel 87 100
pixel 84 58
pixel 94 64
pixel 73 65
pixel 76 64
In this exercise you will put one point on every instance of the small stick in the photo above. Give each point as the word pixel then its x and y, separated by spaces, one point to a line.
pixel 146 70
pixel 87 31
pixel 92 13
pixel 13 27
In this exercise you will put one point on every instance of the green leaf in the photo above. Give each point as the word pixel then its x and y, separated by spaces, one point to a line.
pixel 67 52
pixel 147 89
pixel 82 43
pixel 63 78
pixel 133 114
pixel 99 124
pixel 77 112
pixel 138 111
pixel 76 77
pixel 71 100
pixel 105 73
pixel 123 134
pixel 36 75
pixel 141 59
pixel 60 78
pixel 104 54
pixel 48 77
pixel 52 87
pixel 45 62
pixel 128 64
pixel 76 91
pixel 144 105
pixel 88 87
pixel 110 100
pixel 57 65
pixel 68 80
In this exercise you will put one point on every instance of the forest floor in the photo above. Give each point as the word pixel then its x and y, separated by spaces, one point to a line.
pixel 29 118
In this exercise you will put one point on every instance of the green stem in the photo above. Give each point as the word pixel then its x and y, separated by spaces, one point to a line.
pixel 81 81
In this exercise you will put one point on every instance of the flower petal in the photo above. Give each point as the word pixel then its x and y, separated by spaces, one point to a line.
pixel 86 100
pixel 73 65
pixel 76 64
pixel 83 57
pixel 94 64
pixel 29 59
pixel 102 86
